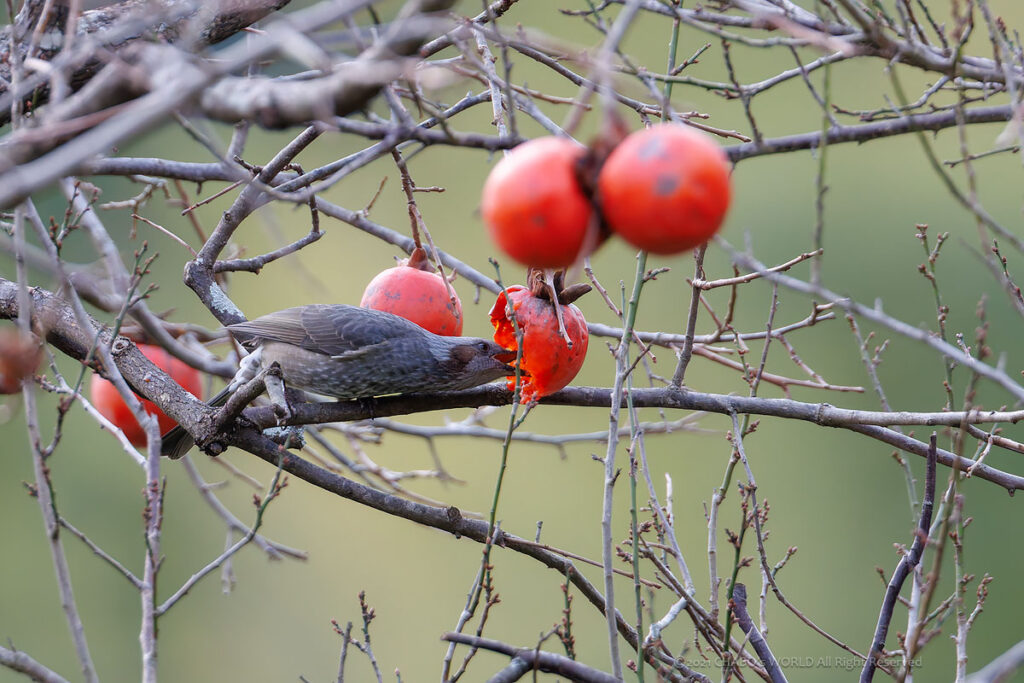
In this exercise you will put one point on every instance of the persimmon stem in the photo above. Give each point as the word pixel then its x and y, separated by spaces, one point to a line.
pixel 549 284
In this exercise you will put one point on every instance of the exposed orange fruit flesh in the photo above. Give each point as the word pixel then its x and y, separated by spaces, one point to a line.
pixel 548 364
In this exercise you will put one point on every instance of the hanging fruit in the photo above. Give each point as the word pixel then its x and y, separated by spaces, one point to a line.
pixel 533 205
pixel 665 188
pixel 415 292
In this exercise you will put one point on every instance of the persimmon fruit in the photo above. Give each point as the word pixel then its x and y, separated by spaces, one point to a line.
pixel 548 362
pixel 106 399
pixel 415 292
pixel 665 189
pixel 533 205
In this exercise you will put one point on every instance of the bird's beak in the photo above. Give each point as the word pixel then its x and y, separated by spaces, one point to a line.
pixel 507 357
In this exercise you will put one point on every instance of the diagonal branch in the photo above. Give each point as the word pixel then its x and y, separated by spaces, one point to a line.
pixel 907 564
pixel 115 28
pixel 171 80
pixel 18 661
pixel 757 641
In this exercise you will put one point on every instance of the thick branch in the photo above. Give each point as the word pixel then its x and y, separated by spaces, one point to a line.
pixel 197 418
pixel 53 316
pixel 823 414
pixel 875 130
pixel 173 80
pixel 117 27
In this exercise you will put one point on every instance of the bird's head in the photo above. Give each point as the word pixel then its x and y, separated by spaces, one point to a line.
pixel 471 362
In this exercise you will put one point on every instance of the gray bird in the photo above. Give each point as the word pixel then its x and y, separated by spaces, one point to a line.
pixel 350 352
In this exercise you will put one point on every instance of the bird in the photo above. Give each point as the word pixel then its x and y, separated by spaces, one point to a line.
pixel 348 352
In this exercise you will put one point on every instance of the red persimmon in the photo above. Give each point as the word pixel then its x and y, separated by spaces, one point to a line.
pixel 109 403
pixel 416 293
pixel 548 363
pixel 665 188
pixel 533 205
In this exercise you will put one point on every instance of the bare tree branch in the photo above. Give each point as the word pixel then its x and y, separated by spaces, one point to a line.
pixel 18 661
pixel 906 566
pixel 532 659
pixel 115 28
pixel 197 417
pixel 757 641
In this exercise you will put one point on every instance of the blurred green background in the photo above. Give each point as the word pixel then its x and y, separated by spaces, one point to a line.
pixel 840 498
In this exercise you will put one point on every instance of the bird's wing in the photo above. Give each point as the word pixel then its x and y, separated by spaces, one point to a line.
pixel 339 330
pixel 334 330
pixel 283 326
pixel 363 351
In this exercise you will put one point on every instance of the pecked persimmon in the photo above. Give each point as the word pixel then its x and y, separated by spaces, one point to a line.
pixel 548 362
pixel 533 205
pixel 106 399
pixel 415 292
pixel 665 188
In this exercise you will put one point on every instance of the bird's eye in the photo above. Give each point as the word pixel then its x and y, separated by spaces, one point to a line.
pixel 482 345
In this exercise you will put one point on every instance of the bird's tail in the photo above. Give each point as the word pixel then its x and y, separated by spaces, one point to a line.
pixel 177 442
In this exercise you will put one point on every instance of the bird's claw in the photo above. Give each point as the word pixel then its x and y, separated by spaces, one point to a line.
pixel 368 403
